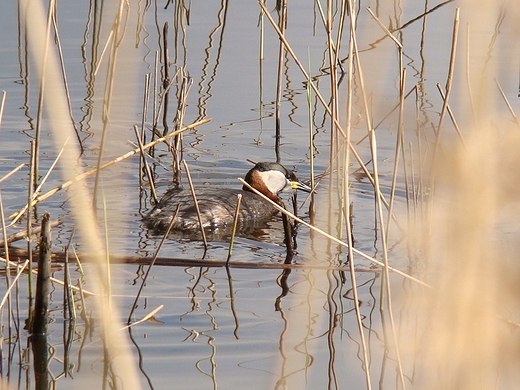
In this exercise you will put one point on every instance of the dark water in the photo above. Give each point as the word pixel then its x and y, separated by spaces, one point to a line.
pixel 260 327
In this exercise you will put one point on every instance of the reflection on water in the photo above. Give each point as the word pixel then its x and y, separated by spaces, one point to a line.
pixel 263 322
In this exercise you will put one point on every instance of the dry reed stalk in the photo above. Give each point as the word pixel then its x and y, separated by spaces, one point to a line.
pixel 347 205
pixel 37 190
pixel 177 148
pixel 2 105
pixel 413 20
pixel 22 234
pixel 68 300
pixel 12 172
pixel 118 28
pixel 145 164
pixel 233 230
pixel 152 263
pixel 142 134
pixel 399 148
pixel 334 109
pixel 515 118
pixel 155 94
pixel 63 73
pixel 166 80
pixel 449 81
pixel 12 283
pixel 39 110
pixel 145 318
pixel 29 210
pixel 413 89
pixel 212 263
pixel 400 128
pixel 467 73
pixel 452 117
pixel 282 24
pixel 199 217
pixel 332 238
pixel 35 272
pixel 84 175
pixel 105 48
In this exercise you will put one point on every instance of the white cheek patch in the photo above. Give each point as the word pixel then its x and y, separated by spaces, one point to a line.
pixel 274 180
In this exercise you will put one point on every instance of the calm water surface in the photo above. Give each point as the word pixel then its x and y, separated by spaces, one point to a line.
pixel 261 327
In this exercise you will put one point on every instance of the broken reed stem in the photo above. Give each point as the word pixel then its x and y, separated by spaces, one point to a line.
pixel 452 117
pixel 145 318
pixel 107 164
pixel 145 277
pixel 507 103
pixel 233 231
pixel 41 302
pixel 145 164
pixel 192 189
pixel 22 234
pixel 330 237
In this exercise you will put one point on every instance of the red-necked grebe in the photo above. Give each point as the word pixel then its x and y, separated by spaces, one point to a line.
pixel 217 205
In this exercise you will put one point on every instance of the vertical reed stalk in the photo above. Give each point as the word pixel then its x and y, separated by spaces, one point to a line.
pixel 449 81
pixel 379 210
pixel 118 34
pixel 39 114
pixel 166 78
pixel 347 205
pixel 282 22
pixel 155 94
pixel 29 220
pixel 8 280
